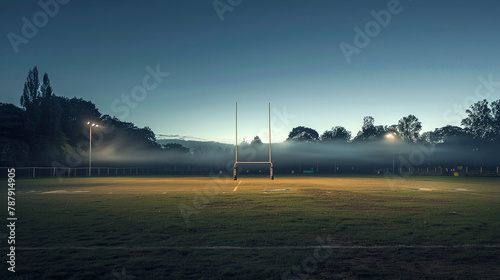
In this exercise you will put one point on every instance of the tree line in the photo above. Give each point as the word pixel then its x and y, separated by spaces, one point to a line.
pixel 48 129
pixel 51 130
pixel 481 126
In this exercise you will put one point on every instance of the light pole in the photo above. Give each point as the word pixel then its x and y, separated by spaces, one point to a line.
pixel 392 137
pixel 90 145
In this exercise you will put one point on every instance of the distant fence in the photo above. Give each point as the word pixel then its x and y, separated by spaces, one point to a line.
pixel 450 171
pixel 66 172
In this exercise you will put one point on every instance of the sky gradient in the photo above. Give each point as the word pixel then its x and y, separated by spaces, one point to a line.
pixel 425 61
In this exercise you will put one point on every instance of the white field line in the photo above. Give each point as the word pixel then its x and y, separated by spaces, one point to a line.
pixel 153 248
pixel 235 188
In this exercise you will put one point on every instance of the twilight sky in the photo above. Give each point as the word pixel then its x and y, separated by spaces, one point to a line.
pixel 430 58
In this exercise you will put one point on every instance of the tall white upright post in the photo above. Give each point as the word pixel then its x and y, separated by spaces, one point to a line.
pixel 269 131
pixel 235 169
pixel 90 152
pixel 236 131
pixel 271 173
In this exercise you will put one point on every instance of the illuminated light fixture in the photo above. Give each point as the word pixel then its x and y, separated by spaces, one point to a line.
pixel 392 137
pixel 90 145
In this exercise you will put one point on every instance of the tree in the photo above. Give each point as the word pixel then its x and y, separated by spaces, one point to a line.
pixel 369 131
pixel 29 100
pixel 31 89
pixel 409 128
pixel 49 127
pixel 76 112
pixel 244 143
pixel 303 134
pixel 126 133
pixel 337 134
pixel 46 88
pixel 480 121
pixel 447 135
pixel 45 137
pixel 428 137
pixel 256 141
pixel 175 148
pixel 495 111
pixel 146 136
pixel 14 149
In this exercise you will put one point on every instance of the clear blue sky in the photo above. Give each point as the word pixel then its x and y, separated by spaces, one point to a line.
pixel 426 61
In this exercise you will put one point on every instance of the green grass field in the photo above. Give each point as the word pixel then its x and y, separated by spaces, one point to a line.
pixel 255 228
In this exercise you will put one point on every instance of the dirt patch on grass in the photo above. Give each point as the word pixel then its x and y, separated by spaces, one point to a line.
pixel 276 190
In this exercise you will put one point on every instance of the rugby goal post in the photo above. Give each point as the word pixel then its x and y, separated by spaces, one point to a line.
pixel 236 163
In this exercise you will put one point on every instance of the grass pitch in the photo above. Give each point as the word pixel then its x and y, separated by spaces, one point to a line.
pixel 255 228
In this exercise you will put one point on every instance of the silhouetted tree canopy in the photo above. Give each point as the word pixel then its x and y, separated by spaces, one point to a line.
pixel 31 89
pixel 449 134
pixel 369 131
pixel 46 88
pixel 256 141
pixel 409 128
pixel 175 148
pixel 14 148
pixel 336 134
pixel 482 121
pixel 49 127
pixel 127 132
pixel 76 112
pixel 303 134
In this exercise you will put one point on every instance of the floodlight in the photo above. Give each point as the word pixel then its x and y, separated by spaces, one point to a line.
pixel 90 145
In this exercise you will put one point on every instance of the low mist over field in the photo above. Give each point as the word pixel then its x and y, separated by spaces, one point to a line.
pixel 320 157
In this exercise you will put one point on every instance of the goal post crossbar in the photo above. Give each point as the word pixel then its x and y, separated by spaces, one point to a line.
pixel 256 162
pixel 235 167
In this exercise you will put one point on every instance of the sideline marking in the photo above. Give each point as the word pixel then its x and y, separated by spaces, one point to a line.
pixel 235 188
pixel 149 248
